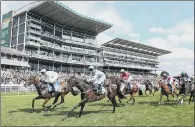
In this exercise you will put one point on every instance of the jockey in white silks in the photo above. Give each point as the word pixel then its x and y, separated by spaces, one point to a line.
pixel 97 78
pixel 50 77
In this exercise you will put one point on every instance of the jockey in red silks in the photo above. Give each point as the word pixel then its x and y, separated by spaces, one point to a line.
pixel 168 80
pixel 126 78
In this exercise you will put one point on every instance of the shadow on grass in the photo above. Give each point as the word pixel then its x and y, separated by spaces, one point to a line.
pixel 76 113
pixel 39 110
pixel 156 103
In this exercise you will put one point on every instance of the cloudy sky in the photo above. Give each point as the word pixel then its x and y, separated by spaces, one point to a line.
pixel 167 25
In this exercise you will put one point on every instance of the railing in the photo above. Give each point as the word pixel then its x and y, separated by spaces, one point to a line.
pixel 49 35
pixel 34 31
pixel 66 49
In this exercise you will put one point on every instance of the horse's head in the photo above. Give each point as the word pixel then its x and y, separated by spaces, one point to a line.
pixel 160 83
pixel 31 80
pixel 78 83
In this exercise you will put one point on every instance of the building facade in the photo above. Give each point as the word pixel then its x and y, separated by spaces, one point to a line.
pixel 57 38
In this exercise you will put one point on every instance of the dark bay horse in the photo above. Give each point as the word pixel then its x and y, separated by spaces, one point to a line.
pixel 120 85
pixel 89 95
pixel 165 90
pixel 148 87
pixel 186 87
pixel 42 91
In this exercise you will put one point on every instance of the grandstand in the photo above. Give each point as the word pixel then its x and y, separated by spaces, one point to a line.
pixel 57 38
pixel 135 57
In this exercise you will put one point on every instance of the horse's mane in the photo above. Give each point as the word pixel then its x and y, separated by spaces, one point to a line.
pixel 78 82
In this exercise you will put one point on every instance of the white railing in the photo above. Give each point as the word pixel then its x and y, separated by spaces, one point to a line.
pixel 18 88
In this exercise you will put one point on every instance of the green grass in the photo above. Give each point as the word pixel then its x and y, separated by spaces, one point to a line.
pixel 16 112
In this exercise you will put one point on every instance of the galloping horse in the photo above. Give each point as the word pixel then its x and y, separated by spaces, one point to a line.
pixel 116 80
pixel 43 93
pixel 148 87
pixel 89 95
pixel 186 87
pixel 165 90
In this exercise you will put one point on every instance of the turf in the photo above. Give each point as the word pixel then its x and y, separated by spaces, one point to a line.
pixel 16 111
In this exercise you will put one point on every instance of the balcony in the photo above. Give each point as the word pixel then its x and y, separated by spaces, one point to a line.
pixel 32 43
pixel 34 25
pixel 65 60
pixel 71 42
pixel 34 32
pixel 66 49
pixel 33 37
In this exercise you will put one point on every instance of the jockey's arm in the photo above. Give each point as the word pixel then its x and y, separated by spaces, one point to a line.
pixel 102 79
pixel 129 78
pixel 93 78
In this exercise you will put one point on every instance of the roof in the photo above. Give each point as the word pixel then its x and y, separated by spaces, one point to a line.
pixel 66 17
pixel 12 51
pixel 137 47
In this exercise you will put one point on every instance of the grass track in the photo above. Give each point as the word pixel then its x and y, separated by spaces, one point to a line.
pixel 16 112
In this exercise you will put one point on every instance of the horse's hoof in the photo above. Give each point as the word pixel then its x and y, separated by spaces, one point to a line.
pixel 32 110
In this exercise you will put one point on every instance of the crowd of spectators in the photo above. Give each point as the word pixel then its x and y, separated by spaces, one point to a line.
pixel 17 76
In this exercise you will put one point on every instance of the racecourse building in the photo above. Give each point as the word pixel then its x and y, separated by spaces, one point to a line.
pixel 57 38
pixel 119 53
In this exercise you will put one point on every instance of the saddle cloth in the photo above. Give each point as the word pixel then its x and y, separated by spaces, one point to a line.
pixel 56 86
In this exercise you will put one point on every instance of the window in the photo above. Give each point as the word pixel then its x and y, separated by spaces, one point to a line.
pixel 14 41
pixel 20 47
pixel 15 21
pixel 22 18
pixel 14 31
pixel 21 28
pixel 21 39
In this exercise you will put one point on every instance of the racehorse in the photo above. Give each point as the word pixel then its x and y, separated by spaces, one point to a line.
pixel 89 95
pixel 148 87
pixel 165 90
pixel 42 91
pixel 186 87
pixel 134 89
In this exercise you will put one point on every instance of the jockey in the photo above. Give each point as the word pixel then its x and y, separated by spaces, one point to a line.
pixel 168 80
pixel 50 77
pixel 185 76
pixel 97 78
pixel 126 77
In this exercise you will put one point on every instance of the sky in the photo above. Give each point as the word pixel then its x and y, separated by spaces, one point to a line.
pixel 163 24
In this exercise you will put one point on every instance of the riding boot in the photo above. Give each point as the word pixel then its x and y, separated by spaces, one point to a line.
pixel 128 86
pixel 99 89
pixel 53 92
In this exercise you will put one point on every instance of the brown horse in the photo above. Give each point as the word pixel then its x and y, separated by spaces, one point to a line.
pixel 43 93
pixel 134 89
pixel 89 95
pixel 165 90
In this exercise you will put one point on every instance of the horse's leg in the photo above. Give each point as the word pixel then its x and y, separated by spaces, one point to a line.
pixel 75 107
pixel 56 99
pixel 33 102
pixel 191 94
pixel 146 93
pixel 160 99
pixel 119 100
pixel 45 102
pixel 132 96
pixel 167 98
pixel 114 103
pixel 111 100
pixel 129 98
